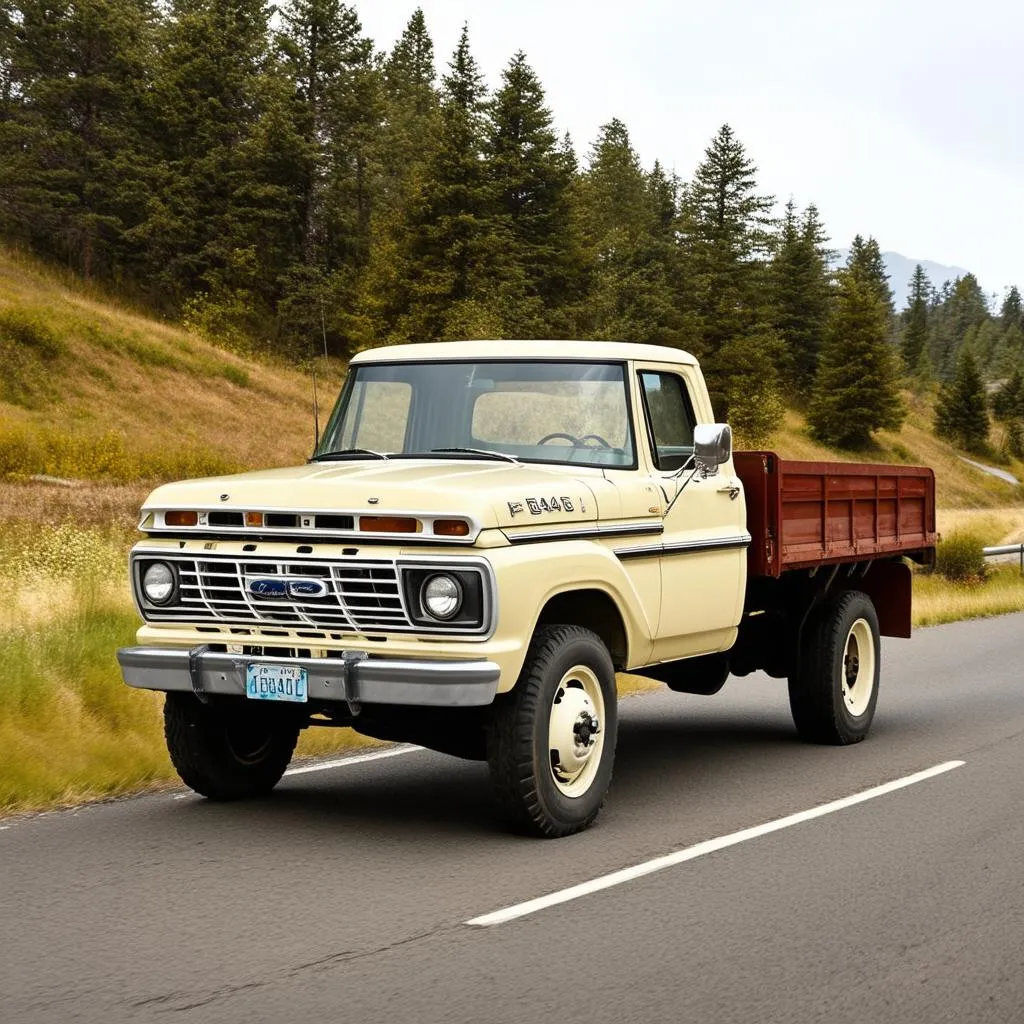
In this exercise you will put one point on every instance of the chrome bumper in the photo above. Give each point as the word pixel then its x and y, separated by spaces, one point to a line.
pixel 351 679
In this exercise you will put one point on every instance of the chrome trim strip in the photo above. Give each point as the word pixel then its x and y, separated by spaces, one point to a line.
pixel 372 680
pixel 742 540
pixel 587 532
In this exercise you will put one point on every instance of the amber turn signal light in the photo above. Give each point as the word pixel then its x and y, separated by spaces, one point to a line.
pixel 178 518
pixel 451 528
pixel 388 524
pixel 254 519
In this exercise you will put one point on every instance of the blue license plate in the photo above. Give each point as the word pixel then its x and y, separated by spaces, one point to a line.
pixel 276 682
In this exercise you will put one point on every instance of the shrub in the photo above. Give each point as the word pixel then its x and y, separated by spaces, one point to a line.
pixel 27 328
pixel 961 558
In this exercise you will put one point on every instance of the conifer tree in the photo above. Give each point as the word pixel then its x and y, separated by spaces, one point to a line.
pixel 799 294
pixel 628 226
pixel 914 337
pixel 408 135
pixel 455 251
pixel 856 392
pixel 531 176
pixel 1008 401
pixel 72 177
pixel 727 224
pixel 961 413
pixel 866 263
pixel 1010 313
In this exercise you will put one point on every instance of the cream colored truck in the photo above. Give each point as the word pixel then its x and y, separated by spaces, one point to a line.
pixel 487 533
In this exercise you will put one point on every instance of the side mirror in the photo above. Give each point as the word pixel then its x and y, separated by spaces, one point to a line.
pixel 712 445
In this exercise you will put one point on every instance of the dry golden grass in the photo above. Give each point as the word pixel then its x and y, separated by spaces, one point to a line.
pixel 937 600
pixel 153 386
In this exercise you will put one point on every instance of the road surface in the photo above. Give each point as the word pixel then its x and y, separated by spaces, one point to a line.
pixel 345 896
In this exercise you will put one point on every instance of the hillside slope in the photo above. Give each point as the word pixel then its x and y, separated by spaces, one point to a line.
pixel 92 391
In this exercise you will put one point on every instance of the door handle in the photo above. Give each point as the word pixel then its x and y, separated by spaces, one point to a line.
pixel 732 488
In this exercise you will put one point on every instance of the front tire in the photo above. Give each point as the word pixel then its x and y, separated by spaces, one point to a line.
pixel 834 691
pixel 551 741
pixel 227 753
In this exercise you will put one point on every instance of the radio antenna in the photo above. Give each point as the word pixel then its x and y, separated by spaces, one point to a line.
pixel 316 402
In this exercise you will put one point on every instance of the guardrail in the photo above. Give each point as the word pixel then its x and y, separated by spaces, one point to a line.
pixel 1006 549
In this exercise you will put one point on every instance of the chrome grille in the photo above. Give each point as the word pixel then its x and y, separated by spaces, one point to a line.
pixel 357 596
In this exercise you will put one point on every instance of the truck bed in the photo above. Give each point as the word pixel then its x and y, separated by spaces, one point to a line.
pixel 806 514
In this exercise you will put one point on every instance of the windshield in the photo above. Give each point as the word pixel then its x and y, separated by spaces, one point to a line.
pixel 536 412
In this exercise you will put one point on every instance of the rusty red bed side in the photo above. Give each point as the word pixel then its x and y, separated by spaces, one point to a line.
pixel 806 514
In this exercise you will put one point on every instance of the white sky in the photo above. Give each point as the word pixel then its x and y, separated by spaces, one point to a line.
pixel 898 119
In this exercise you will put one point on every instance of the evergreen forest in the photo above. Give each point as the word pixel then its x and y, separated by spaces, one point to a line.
pixel 272 179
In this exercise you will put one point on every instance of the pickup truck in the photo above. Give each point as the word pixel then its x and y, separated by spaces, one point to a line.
pixel 486 534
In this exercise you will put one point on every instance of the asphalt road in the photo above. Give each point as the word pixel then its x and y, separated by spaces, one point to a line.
pixel 343 897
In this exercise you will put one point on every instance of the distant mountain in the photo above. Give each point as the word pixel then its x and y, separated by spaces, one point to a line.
pixel 901 269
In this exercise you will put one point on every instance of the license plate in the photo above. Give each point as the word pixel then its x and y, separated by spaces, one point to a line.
pixel 276 682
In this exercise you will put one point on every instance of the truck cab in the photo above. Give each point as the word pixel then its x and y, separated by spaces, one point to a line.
pixel 486 533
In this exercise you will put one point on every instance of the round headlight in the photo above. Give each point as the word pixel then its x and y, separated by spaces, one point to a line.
pixel 441 596
pixel 158 582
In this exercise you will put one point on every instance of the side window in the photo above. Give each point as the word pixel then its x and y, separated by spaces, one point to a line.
pixel 379 414
pixel 670 418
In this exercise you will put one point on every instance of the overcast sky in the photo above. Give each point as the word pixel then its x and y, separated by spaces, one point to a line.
pixel 900 119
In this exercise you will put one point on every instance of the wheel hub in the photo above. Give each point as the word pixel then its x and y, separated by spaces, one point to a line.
pixel 573 732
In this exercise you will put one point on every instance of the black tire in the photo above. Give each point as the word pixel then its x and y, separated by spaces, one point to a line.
pixel 822 690
pixel 518 747
pixel 228 753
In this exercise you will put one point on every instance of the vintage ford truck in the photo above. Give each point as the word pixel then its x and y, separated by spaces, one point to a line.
pixel 485 535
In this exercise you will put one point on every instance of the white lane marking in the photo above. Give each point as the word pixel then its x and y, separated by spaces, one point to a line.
pixel 701 849
pixel 341 762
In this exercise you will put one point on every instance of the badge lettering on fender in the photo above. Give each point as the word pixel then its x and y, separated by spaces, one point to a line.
pixel 515 507
pixel 567 505
pixel 534 506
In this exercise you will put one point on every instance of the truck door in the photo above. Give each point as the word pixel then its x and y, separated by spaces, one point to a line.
pixel 703 549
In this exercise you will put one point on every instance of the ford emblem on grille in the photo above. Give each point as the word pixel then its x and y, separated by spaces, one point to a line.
pixel 288 586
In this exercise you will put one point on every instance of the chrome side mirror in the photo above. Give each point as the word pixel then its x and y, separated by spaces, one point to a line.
pixel 712 446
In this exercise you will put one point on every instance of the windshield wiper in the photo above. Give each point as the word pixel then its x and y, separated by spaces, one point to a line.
pixel 348 453
pixel 485 452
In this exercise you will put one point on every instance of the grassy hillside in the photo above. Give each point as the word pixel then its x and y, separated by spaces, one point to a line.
pixel 92 391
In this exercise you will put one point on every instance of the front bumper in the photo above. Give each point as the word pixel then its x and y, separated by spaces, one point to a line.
pixel 351 679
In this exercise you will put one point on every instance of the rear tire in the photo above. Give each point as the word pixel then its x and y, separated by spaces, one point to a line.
pixel 834 691
pixel 226 753
pixel 551 741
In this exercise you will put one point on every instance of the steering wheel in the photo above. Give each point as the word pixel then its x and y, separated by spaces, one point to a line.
pixel 595 437
pixel 568 437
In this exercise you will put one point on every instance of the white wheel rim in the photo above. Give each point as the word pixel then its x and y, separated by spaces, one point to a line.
pixel 858 668
pixel 576 731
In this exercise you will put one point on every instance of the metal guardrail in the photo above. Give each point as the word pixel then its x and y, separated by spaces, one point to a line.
pixel 1006 549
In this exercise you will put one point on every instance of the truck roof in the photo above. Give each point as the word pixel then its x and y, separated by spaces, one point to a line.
pixel 457 351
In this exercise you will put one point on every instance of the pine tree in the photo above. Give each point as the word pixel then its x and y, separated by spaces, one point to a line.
pixel 726 224
pixel 961 412
pixel 455 251
pixel 867 264
pixel 914 337
pixel 1011 313
pixel 856 391
pixel 409 134
pixel 531 176
pixel 1008 401
pixel 628 221
pixel 71 81
pixel 799 294
pixel 217 225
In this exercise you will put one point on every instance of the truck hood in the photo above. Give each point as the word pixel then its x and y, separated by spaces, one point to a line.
pixel 494 494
